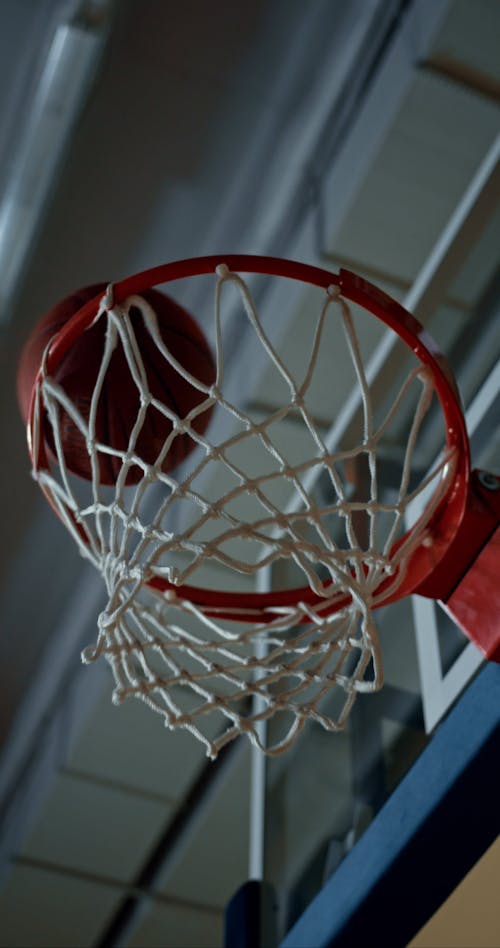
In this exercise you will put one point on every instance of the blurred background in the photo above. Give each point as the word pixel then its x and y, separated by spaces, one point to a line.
pixel 361 134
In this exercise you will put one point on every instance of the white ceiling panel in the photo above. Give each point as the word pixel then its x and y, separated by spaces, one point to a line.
pixel 172 926
pixel 43 909
pixel 470 36
pixel 481 263
pixel 91 827
pixel 215 862
pixel 129 745
pixel 437 142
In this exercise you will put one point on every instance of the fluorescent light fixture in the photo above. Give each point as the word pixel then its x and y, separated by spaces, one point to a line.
pixel 60 94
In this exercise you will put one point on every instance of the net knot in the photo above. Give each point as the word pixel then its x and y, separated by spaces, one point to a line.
pixel 222 270
pixel 181 426
pixel 118 574
pixel 109 297
pixel 89 654
pixel 104 621
pixel 214 453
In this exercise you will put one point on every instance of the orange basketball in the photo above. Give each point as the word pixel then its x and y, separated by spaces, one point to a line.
pixel 119 400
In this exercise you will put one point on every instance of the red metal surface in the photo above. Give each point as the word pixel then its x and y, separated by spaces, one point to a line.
pixel 480 520
pixel 467 580
pixel 445 523
pixel 475 603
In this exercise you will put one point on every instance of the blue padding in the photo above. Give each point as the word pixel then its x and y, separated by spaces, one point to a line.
pixel 435 826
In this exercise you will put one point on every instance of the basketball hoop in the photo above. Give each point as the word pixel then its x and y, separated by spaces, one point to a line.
pixel 200 655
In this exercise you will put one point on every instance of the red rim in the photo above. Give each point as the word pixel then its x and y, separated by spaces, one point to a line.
pixel 444 524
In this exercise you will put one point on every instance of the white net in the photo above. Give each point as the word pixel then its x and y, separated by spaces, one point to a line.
pixel 200 666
